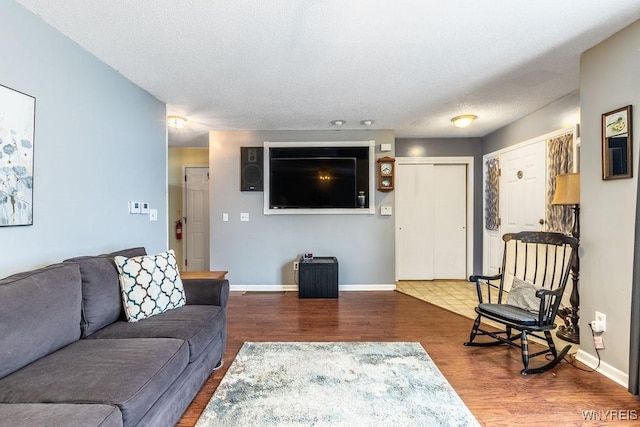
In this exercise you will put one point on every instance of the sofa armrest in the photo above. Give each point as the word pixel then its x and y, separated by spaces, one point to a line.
pixel 206 291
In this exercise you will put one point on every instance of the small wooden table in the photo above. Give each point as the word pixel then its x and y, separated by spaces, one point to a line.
pixel 203 274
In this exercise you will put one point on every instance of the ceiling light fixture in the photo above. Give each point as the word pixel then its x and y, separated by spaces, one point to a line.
pixel 177 122
pixel 338 122
pixel 464 120
pixel 367 122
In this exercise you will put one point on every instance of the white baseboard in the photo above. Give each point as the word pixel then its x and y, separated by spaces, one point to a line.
pixel 381 287
pixel 263 288
pixel 605 369
pixel 294 288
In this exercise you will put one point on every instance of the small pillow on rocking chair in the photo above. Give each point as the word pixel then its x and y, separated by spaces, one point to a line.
pixel 523 295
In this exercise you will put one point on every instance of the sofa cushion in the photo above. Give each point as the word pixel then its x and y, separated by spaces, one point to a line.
pixel 150 285
pixel 196 324
pixel 101 300
pixel 128 373
pixel 40 313
pixel 57 414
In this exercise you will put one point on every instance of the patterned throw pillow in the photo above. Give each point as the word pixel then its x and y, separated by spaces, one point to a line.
pixel 523 295
pixel 149 285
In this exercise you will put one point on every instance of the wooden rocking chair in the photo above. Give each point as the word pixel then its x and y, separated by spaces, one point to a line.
pixel 526 295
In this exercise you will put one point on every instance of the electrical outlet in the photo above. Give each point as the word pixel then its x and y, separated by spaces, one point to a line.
pixel 296 266
pixel 598 342
pixel 601 321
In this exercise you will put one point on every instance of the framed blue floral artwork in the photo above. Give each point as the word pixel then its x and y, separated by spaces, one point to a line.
pixel 17 126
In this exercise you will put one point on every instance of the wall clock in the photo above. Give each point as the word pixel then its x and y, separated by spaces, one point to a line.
pixel 386 172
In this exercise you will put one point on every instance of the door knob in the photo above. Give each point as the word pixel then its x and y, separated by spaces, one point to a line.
pixel 541 222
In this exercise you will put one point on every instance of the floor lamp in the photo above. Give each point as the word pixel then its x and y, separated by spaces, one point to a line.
pixel 568 194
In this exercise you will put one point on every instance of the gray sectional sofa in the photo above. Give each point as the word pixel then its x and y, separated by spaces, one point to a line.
pixel 68 357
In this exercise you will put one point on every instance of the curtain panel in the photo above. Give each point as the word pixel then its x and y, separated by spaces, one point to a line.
pixel 491 214
pixel 559 162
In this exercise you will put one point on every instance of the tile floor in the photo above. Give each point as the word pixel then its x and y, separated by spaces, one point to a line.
pixel 458 296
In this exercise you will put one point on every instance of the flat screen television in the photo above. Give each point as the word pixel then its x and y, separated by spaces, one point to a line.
pixel 317 178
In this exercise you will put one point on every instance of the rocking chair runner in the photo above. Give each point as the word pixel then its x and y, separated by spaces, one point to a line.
pixel 529 289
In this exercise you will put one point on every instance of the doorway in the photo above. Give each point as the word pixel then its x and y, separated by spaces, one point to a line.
pixel 434 217
pixel 521 197
pixel 196 218
pixel 521 193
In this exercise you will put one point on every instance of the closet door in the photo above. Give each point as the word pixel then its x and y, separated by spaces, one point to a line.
pixel 431 220
pixel 414 221
pixel 450 222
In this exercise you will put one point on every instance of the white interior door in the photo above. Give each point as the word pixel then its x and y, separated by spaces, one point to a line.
pixel 197 219
pixel 431 221
pixel 525 175
pixel 414 222
pixel 523 178
pixel 450 221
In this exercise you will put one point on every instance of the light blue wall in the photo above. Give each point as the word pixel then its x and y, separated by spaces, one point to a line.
pixel 100 141
pixel 261 251
pixel 561 114
pixel 608 81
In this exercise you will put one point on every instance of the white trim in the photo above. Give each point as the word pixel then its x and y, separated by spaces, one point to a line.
pixel 357 211
pixel 294 288
pixel 605 369
pixel 263 288
pixel 363 287
pixel 462 160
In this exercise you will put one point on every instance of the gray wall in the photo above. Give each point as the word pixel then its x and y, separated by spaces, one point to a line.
pixel 100 141
pixel 560 114
pixel 261 251
pixel 608 80
pixel 453 147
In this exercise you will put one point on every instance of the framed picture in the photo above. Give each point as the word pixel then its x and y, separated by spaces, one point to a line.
pixel 617 144
pixel 17 124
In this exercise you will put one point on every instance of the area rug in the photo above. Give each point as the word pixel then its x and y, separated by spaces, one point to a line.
pixel 334 384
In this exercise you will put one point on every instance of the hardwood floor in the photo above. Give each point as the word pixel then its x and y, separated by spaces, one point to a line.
pixel 487 379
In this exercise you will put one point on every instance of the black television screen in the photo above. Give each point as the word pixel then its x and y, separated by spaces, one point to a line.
pixel 316 178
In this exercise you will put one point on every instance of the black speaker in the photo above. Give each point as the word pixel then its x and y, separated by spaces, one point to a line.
pixel 251 162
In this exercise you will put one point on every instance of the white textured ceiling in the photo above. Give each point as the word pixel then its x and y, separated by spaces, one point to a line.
pixel 410 65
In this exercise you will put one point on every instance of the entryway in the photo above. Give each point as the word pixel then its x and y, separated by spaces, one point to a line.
pixel 434 217
pixel 522 188
pixel 196 218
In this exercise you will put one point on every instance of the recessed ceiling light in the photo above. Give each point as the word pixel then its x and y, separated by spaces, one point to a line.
pixel 367 122
pixel 464 120
pixel 338 122
pixel 177 122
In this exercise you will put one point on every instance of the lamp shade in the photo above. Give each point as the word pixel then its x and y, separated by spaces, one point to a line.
pixel 567 190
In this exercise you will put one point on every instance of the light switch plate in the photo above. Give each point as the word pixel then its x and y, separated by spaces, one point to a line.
pixel 225 217
pixel 144 208
pixel 134 207
pixel 244 216
pixel 386 210
pixel 153 214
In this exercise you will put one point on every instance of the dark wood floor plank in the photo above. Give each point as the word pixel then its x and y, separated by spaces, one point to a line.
pixel 487 379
